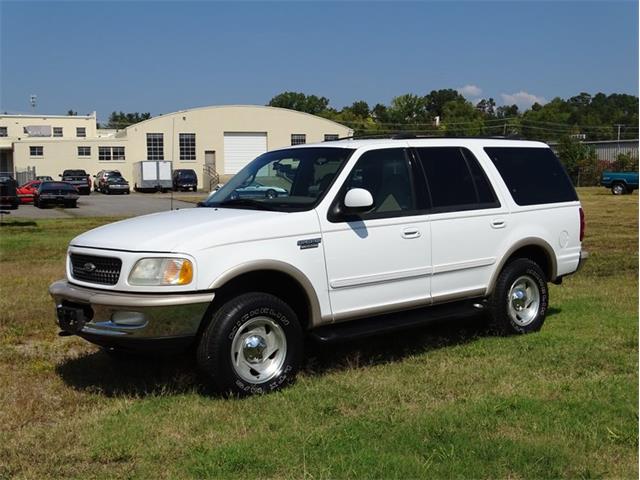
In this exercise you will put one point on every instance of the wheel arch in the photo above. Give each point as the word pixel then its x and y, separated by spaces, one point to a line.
pixel 533 248
pixel 278 278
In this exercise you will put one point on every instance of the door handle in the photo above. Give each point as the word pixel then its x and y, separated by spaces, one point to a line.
pixel 410 232
pixel 498 223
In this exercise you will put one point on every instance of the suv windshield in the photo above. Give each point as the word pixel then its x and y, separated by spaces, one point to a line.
pixel 284 180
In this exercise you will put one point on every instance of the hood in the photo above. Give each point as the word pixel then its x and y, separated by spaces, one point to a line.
pixel 183 230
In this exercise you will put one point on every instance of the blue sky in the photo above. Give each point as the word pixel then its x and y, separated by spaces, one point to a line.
pixel 165 56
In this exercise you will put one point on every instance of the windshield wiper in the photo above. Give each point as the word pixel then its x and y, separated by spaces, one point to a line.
pixel 244 202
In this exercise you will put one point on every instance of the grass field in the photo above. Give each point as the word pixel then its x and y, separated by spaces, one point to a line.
pixel 444 401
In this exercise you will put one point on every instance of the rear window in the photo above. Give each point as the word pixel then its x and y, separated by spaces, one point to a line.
pixel 74 173
pixel 56 186
pixel 533 175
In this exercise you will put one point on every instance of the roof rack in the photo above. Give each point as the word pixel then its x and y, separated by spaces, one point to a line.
pixel 407 136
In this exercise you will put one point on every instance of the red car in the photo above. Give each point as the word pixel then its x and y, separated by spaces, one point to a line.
pixel 26 191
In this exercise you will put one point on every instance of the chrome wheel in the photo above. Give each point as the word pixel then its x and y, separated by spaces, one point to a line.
pixel 524 300
pixel 258 350
pixel 618 189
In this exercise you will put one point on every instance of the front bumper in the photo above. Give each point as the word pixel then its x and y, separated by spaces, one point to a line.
pixel 101 314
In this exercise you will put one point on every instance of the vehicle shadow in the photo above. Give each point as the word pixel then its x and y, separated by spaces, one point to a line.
pixel 140 376
pixel 14 223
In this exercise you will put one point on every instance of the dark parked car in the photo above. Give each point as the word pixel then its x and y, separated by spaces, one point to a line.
pixel 49 193
pixel 184 179
pixel 8 193
pixel 116 184
pixel 79 179
pixel 101 177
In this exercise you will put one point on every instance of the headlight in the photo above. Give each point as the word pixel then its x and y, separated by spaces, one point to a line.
pixel 161 271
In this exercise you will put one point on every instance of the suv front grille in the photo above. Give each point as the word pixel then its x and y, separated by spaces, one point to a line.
pixel 93 269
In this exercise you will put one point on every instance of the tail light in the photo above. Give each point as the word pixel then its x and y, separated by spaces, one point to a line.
pixel 582 224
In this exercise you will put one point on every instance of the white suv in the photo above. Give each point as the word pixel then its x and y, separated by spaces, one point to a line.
pixel 364 229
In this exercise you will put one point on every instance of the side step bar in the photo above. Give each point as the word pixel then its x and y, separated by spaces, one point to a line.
pixel 366 327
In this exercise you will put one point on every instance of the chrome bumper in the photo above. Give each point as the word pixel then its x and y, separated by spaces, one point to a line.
pixel 124 315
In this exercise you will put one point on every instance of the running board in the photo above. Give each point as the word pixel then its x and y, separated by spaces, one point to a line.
pixel 366 327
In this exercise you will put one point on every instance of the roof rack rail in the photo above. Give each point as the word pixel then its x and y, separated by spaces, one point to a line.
pixel 408 135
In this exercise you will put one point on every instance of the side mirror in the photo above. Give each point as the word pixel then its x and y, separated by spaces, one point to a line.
pixel 358 200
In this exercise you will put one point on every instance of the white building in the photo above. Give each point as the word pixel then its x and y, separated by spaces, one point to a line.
pixel 217 138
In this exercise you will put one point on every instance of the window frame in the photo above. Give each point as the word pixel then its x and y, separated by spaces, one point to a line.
pixel 336 214
pixel 60 130
pixel 83 130
pixel 183 149
pixel 333 137
pixel 468 156
pixel 301 135
pixel 84 147
pixel 36 155
pixel 4 132
pixel 156 136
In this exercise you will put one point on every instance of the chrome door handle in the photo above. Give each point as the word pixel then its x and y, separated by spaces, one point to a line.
pixel 410 232
pixel 498 223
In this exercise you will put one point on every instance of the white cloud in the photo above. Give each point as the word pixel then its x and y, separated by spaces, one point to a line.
pixel 470 91
pixel 522 99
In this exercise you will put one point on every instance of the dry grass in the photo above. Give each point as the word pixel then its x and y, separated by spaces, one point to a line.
pixel 445 401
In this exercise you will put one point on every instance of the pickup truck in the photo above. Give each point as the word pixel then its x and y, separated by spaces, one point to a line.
pixel 79 179
pixel 620 183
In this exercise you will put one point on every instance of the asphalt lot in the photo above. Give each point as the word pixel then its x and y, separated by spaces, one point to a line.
pixel 100 205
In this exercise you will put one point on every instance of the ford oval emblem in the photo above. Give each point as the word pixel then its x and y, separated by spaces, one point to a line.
pixel 89 267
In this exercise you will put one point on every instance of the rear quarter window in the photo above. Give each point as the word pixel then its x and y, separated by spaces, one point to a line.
pixel 533 175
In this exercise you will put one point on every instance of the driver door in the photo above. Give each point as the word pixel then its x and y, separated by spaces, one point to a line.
pixel 381 260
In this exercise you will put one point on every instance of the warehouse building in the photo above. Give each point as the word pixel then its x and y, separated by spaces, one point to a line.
pixel 214 141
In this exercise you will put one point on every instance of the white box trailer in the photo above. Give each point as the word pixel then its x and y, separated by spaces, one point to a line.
pixel 152 175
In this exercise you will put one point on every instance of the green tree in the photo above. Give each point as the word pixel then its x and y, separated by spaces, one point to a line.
pixel 299 101
pixel 408 112
pixel 580 161
pixel 123 120
pixel 461 118
pixel 437 99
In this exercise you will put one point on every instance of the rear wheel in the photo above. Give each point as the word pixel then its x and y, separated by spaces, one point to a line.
pixel 618 188
pixel 252 345
pixel 271 193
pixel 520 298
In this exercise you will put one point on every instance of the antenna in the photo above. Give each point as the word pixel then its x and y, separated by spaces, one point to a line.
pixel 33 101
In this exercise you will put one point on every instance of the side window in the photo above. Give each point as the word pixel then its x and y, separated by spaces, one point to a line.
pixel 385 174
pixel 456 180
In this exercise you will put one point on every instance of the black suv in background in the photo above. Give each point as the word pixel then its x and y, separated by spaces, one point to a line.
pixel 100 182
pixel 8 194
pixel 184 179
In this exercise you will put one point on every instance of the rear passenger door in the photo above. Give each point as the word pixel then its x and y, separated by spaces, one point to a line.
pixel 380 260
pixel 467 222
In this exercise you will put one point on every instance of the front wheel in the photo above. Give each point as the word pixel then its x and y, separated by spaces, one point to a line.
pixel 520 298
pixel 253 344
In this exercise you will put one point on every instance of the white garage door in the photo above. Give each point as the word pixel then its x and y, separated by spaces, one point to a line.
pixel 242 147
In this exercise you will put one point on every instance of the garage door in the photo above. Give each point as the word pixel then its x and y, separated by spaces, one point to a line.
pixel 242 147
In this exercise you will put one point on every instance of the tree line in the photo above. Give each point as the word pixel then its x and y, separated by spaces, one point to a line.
pixel 447 112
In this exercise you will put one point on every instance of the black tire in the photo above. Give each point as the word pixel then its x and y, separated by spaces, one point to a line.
pixel 618 188
pixel 229 323
pixel 271 193
pixel 629 191
pixel 504 302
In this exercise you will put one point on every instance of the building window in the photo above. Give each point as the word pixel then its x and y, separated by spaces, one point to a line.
pixel 57 131
pixel 3 131
pixel 84 151
pixel 187 146
pixel 155 146
pixel 330 137
pixel 298 138
pixel 81 132
pixel 36 151
pixel 111 153
pixel 117 153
